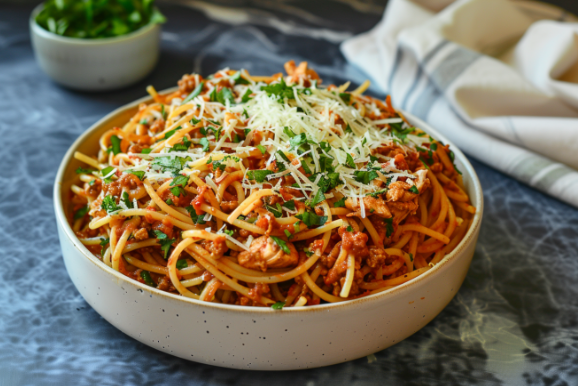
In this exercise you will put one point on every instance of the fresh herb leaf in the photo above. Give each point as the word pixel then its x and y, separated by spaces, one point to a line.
pixel 163 112
pixel 433 146
pixel 289 205
pixel 280 90
pixel 340 203
pixel 146 151
pixel 107 172
pixel 109 204
pixel 411 257
pixel 170 164
pixel 278 305
pixel 414 189
pixel 103 243
pixel 84 171
pixel 225 95
pixel 319 197
pixel 139 173
pixel 247 96
pixel 126 200
pixel 177 191
pixel 146 276
pixel 205 143
pixel 180 180
pixel 388 226
pixel 258 175
pixel 261 148
pixel 81 212
pixel 365 177
pixel 349 228
pixel 238 79
pixel 350 161
pixel 345 97
pixel 245 114
pixel 277 211
pixel 288 132
pixel 169 201
pixel 348 129
pixel 197 218
pixel 283 156
pixel 378 193
pixel 194 93
pixel 182 264
pixel 165 242
pixel 298 140
pixel 311 219
pixel 282 244
pixel 288 234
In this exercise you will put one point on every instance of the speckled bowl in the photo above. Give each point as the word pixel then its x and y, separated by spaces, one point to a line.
pixel 259 338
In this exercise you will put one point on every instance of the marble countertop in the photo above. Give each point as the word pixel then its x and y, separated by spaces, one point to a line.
pixel 514 321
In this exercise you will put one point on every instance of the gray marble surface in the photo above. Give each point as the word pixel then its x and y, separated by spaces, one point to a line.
pixel 514 321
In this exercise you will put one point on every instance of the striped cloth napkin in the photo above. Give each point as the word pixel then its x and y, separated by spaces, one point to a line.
pixel 499 78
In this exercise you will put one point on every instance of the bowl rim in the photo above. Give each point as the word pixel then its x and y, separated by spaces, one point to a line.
pixel 38 30
pixel 455 254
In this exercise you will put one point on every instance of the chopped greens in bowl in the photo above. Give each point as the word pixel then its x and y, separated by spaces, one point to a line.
pixel 97 19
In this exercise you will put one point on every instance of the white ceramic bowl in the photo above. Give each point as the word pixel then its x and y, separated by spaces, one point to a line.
pixel 251 337
pixel 96 64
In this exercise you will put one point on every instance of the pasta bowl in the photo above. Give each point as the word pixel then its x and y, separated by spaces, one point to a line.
pixel 259 338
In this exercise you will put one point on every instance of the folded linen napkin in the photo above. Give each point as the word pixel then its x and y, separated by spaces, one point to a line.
pixel 497 77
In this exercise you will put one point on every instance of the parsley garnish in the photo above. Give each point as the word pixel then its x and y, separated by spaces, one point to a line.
pixel 225 95
pixel 414 189
pixel 365 177
pixel 348 129
pixel 163 112
pixel 350 161
pixel 283 156
pixel 379 192
pixel 146 151
pixel 182 264
pixel 169 134
pixel 84 171
pixel 278 306
pixel 280 90
pixel 126 200
pixel 205 143
pixel 298 140
pixel 288 234
pixel 195 93
pixel 165 242
pixel 170 164
pixel 109 204
pixel 247 96
pixel 319 197
pixel 288 132
pixel 146 276
pixel 411 257
pixel 105 172
pixel 81 212
pixel 103 243
pixel 115 141
pixel 277 211
pixel 310 219
pixel 388 226
pixel 345 97
pixel 262 149
pixel 197 218
pixel 139 173
pixel 258 175
pixel 289 205
pixel 282 244
pixel 238 79
pixel 340 203
pixel 169 201
pixel 349 228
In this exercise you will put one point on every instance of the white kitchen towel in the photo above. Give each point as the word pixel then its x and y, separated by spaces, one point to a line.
pixel 499 78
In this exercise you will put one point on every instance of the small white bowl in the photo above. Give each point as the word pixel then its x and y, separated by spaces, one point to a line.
pixel 259 338
pixel 96 64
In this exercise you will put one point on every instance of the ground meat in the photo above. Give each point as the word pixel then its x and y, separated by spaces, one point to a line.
pixel 141 234
pixel 377 256
pixel 112 189
pixel 356 244
pixel 401 210
pixel 135 149
pixel 399 191
pixel 229 206
pixel 130 181
pixel 158 125
pixel 165 284
pixel 354 290
pixel 372 205
pixel 215 247
pixel 94 189
pixel 265 253
pixel 329 260
pixel 164 226
pixel 257 291
pixel 188 83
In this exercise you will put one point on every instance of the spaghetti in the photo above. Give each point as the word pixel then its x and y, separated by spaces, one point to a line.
pixel 269 191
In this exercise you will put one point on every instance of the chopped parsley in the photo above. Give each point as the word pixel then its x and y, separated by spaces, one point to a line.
pixel 340 203
pixel 319 197
pixel 238 79
pixel 365 177
pixel 146 276
pixel 126 200
pixel 205 143
pixel 288 234
pixel 349 228
pixel 81 212
pixel 197 218
pixel 279 90
pixel 258 175
pixel 278 306
pixel 388 226
pixel 84 171
pixel 345 97
pixel 350 161
pixel 378 193
pixel 146 151
pixel 115 142
pixel 348 129
pixel 165 242
pixel 105 174
pixel 247 96
pixel 277 210
pixel 414 189
pixel 289 205
pixel 225 95
pixel 311 219
pixel 139 173
pixel 170 164
pixel 103 243
pixel 182 264
pixel 282 244
pixel 169 201
pixel 109 204
pixel 262 149
pixel 411 257
pixel 194 93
